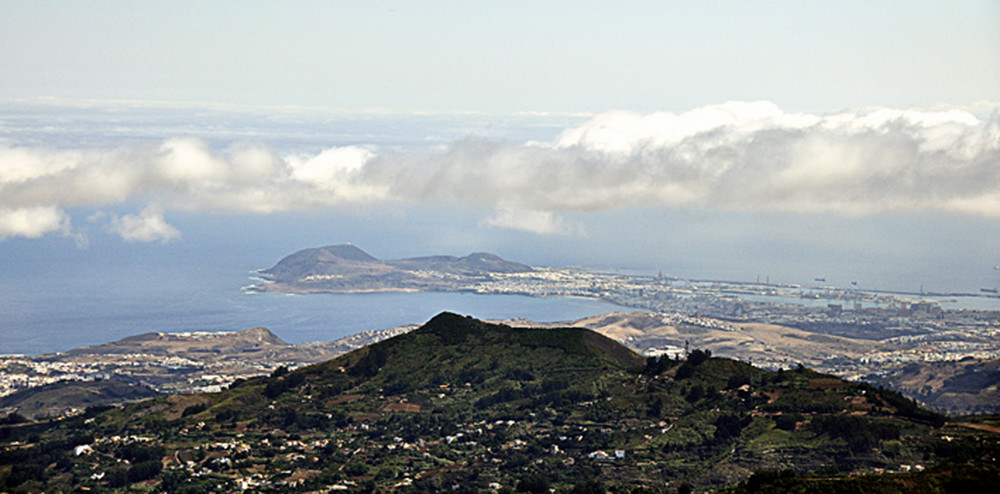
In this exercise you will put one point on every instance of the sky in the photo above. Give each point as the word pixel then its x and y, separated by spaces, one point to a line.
pixel 519 56
pixel 697 135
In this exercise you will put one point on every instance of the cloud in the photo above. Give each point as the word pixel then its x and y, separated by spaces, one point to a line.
pixel 24 164
pixel 736 156
pixel 338 171
pixel 743 156
pixel 32 222
pixel 147 226
pixel 624 132
pixel 540 222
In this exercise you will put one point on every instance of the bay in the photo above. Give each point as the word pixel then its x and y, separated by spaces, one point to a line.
pixel 92 296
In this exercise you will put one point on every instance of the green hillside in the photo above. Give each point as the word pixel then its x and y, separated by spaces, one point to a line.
pixel 465 405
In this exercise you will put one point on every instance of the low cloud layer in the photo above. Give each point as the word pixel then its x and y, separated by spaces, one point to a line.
pixel 734 156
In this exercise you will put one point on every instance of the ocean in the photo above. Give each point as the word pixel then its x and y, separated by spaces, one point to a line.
pixel 56 296
pixel 83 297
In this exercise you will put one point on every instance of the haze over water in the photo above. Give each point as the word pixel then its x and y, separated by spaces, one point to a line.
pixel 55 296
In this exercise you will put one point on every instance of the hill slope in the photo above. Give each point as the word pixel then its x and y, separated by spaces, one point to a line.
pixel 171 362
pixel 957 387
pixel 54 399
pixel 465 404
pixel 189 344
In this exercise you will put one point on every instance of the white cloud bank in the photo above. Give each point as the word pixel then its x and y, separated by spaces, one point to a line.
pixel 734 156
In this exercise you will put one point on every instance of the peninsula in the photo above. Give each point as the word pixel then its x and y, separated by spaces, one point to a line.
pixel 347 269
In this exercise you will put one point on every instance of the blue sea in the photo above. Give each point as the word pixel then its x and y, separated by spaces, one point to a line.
pixel 55 296
pixel 56 300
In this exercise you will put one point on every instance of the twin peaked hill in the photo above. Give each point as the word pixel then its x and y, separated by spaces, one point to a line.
pixel 346 268
pixel 460 403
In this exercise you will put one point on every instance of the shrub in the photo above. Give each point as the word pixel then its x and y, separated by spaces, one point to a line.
pixel 194 409
pixel 144 470
pixel 788 421
pixel 685 371
pixel 533 483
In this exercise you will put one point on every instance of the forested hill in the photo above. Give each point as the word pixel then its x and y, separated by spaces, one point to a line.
pixel 463 404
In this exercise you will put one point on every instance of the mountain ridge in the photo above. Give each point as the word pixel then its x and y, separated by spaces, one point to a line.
pixel 156 342
pixel 465 404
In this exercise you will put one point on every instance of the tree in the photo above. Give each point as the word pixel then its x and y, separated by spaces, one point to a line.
pixel 144 470
pixel 788 421
pixel 696 393
pixel 685 371
pixel 592 486
pixel 533 483
pixel 13 418
pixel 697 357
pixel 728 426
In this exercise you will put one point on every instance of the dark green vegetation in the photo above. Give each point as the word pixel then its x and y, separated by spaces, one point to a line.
pixel 946 478
pixel 461 404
